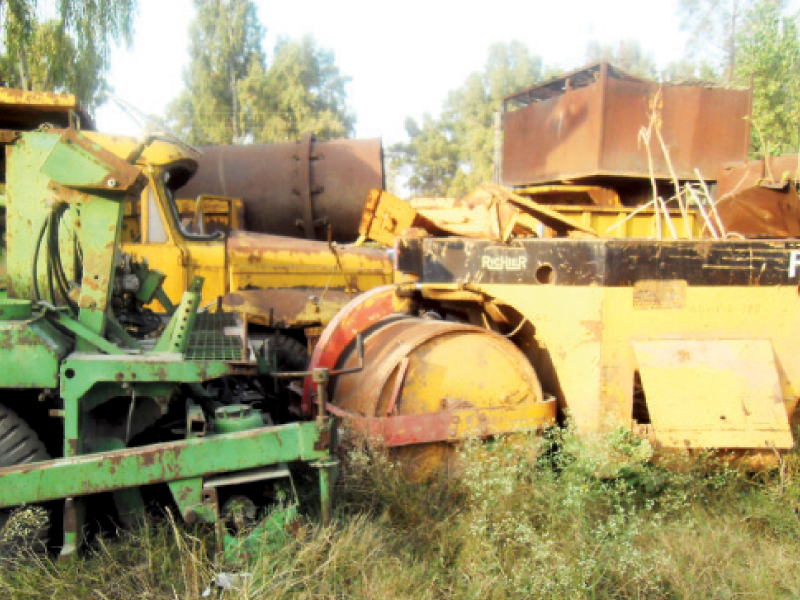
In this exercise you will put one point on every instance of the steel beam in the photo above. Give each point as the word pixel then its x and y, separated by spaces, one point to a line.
pixel 133 467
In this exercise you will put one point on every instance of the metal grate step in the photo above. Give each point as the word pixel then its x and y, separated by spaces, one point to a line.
pixel 216 336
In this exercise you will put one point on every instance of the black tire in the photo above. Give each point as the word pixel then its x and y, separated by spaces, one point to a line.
pixel 292 355
pixel 19 444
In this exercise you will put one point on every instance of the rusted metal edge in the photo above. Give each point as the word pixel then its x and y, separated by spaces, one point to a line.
pixel 171 461
pixel 362 312
pixel 451 425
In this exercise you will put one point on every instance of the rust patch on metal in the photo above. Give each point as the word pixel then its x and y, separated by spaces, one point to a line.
pixel 651 294
pixel 759 198
pixel 8 137
pixel 594 328
pixel 70 518
pixel 324 441
pixel 148 459
pixel 295 307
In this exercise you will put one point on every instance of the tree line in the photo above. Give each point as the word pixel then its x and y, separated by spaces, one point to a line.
pixel 232 92
pixel 235 93
pixel 68 49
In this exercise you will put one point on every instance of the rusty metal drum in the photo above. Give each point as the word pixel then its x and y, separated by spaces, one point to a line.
pixel 294 189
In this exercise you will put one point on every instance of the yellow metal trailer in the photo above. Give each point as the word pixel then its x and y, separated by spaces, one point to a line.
pixel 691 343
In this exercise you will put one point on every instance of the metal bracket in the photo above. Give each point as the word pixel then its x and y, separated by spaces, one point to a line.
pixel 321 375
pixel 176 334
pixel 56 315
pixel 303 189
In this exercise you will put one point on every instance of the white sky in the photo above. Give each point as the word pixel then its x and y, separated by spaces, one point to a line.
pixel 403 57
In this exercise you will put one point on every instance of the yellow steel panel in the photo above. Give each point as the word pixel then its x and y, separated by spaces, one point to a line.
pixel 633 222
pixel 385 217
pixel 505 418
pixel 568 354
pixel 713 393
pixel 207 260
pixel 24 99
pixel 156 153
pixel 268 262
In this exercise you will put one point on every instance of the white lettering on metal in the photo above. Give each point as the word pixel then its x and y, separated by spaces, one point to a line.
pixel 505 263
pixel 794 262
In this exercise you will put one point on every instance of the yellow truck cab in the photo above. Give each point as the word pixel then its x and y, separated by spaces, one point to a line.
pixel 273 280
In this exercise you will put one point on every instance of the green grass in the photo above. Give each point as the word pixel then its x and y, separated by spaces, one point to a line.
pixel 529 517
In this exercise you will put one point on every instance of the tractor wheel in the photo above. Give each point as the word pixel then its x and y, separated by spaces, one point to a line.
pixel 292 355
pixel 27 527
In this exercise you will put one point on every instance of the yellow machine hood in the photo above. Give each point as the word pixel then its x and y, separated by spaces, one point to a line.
pixel 295 282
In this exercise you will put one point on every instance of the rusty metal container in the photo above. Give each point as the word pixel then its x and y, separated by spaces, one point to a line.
pixel 294 189
pixel 585 125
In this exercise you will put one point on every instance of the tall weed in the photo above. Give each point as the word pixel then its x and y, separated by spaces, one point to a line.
pixel 541 516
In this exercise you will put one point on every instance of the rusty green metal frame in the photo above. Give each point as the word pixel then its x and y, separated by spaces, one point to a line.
pixel 163 463
pixel 108 367
pixel 184 465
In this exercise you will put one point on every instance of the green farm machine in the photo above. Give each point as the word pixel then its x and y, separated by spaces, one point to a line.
pixel 102 398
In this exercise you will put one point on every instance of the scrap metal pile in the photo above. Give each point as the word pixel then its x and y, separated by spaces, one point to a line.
pixel 647 286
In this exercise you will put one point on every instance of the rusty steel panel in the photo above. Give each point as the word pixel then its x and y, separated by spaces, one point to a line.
pixel 24 110
pixel 294 189
pixel 773 173
pixel 759 212
pixel 705 128
pixel 553 137
pixel 759 199
pixel 586 124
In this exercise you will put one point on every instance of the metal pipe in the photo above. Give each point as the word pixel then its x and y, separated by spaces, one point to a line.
pixel 294 189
